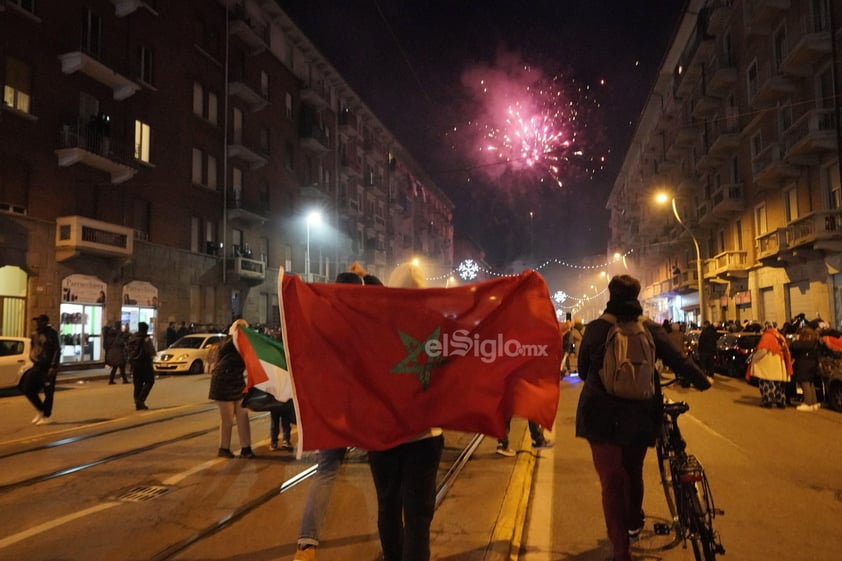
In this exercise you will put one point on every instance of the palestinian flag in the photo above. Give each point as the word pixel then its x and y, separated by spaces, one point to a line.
pixel 266 363
pixel 374 366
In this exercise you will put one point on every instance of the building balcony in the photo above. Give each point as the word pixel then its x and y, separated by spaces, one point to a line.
pixel 769 168
pixel 720 13
pixel 241 152
pixel 710 161
pixel 351 166
pixel 685 282
pixel 727 201
pixel 314 95
pixel 722 75
pixel 821 230
pixel 348 123
pixel 772 86
pixel 247 270
pixel 78 61
pixel 727 265
pixel 685 136
pixel 122 8
pixel 705 106
pixel 771 246
pixel 667 166
pixel 375 256
pixel 254 34
pixel 240 212
pixel 313 138
pixel 725 141
pixel 90 145
pixel 252 98
pixel 808 47
pixel 811 136
pixel 760 14
pixel 79 235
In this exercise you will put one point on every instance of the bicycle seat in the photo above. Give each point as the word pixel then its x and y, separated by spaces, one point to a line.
pixel 675 408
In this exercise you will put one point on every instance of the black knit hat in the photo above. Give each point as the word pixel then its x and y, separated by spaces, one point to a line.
pixel 372 280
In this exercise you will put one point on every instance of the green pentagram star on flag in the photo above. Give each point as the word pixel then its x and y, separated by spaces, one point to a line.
pixel 417 361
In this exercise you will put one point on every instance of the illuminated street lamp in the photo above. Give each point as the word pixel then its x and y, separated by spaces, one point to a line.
pixel 314 218
pixel 662 198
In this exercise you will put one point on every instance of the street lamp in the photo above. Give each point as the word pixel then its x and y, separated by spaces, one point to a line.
pixel 315 217
pixel 663 198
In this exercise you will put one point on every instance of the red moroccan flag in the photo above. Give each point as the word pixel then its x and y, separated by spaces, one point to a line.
pixel 374 366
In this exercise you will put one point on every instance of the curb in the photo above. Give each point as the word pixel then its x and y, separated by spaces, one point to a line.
pixel 506 538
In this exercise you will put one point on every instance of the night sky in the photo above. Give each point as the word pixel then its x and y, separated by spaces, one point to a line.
pixel 418 64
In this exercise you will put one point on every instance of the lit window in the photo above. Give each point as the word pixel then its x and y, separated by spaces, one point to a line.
pixel 212 108
pixel 18 86
pixel 141 141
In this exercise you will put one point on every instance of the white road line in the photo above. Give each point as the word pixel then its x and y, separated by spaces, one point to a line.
pixel 41 528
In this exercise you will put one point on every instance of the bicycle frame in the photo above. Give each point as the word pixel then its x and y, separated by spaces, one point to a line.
pixel 686 489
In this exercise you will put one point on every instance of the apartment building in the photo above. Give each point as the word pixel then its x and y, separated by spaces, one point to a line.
pixel 741 133
pixel 162 161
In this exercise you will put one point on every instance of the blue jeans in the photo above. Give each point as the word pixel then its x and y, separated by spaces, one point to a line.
pixel 318 495
pixel 405 480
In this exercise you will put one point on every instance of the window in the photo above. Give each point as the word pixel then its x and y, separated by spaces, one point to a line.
pixel 290 156
pixel 211 172
pixel 141 141
pixel 91 33
pixel 198 100
pixel 213 108
pixel 195 224
pixel 779 46
pixel 832 187
pixel 752 78
pixel 237 186
pixel 760 226
pixel 237 126
pixel 824 88
pixel 264 84
pixel 791 204
pixel 144 64
pixel 264 140
pixel 18 88
pixel 738 235
pixel 196 174
pixel 26 5
pixel 756 144
pixel 288 105
pixel 785 117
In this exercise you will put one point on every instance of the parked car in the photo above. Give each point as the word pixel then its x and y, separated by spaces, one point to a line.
pixel 188 354
pixel 830 373
pixel 14 360
pixel 732 352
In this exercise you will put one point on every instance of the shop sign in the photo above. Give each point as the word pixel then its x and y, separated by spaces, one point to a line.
pixel 743 298
pixel 140 293
pixel 83 289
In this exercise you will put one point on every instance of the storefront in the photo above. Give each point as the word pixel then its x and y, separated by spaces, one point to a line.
pixel 81 318
pixel 140 303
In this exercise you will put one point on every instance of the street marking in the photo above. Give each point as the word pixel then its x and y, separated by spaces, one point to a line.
pixel 41 528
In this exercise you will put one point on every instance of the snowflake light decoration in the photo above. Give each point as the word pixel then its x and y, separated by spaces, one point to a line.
pixel 468 269
pixel 560 297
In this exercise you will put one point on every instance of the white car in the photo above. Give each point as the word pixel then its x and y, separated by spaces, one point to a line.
pixel 14 360
pixel 188 354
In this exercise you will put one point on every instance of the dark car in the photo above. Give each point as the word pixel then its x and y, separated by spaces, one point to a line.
pixel 732 352
pixel 691 343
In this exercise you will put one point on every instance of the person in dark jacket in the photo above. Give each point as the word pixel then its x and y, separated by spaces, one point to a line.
pixel 114 340
pixel 805 366
pixel 140 351
pixel 619 430
pixel 227 386
pixel 45 354
pixel 707 347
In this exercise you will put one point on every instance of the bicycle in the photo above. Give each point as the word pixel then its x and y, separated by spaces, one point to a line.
pixel 686 488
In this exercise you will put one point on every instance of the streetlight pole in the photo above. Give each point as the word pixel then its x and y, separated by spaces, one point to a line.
pixel 698 263
pixel 314 216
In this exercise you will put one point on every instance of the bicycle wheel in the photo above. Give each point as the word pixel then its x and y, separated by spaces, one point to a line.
pixel 700 527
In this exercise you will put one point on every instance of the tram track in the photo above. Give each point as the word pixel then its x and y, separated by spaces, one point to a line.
pixel 442 487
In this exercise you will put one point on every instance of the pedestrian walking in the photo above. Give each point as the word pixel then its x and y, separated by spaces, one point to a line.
pixel 45 354
pixel 574 341
pixel 227 386
pixel 328 462
pixel 535 431
pixel 170 335
pixel 620 430
pixel 140 350
pixel 281 420
pixel 405 476
pixel 707 347
pixel 114 339
pixel 771 365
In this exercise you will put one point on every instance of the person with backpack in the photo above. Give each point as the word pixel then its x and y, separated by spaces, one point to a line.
pixel 620 407
pixel 140 351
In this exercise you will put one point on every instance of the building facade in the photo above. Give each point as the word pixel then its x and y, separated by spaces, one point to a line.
pixel 741 133
pixel 162 161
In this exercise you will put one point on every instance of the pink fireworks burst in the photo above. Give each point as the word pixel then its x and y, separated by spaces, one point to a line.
pixel 525 121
